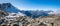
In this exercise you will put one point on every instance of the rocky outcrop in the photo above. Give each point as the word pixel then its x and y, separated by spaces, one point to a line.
pixel 3 13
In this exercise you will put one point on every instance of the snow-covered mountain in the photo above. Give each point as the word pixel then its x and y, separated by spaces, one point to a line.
pixel 36 14
pixel 8 7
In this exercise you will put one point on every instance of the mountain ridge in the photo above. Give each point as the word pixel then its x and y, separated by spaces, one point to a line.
pixel 8 7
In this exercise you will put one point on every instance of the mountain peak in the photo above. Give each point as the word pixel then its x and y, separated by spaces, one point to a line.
pixel 4 5
pixel 9 8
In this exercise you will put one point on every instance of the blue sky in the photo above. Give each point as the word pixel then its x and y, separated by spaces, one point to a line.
pixel 34 4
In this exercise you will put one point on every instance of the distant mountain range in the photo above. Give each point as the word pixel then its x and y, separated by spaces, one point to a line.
pixel 36 14
pixel 8 7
